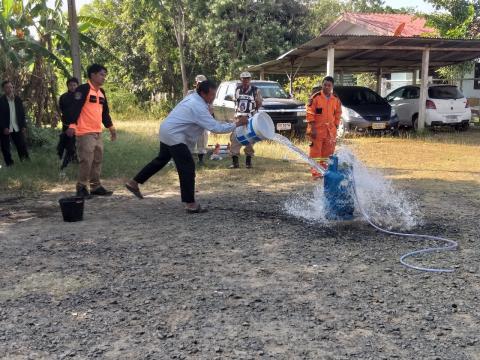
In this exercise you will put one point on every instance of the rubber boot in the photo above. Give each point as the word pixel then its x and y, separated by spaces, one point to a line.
pixel 200 159
pixel 235 164
pixel 248 162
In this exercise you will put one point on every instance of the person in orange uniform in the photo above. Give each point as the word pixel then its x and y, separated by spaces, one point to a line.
pixel 323 117
pixel 87 113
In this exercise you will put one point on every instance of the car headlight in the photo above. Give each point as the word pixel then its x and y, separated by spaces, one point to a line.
pixel 352 113
pixel 393 113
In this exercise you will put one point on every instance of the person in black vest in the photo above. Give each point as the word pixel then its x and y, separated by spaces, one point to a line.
pixel 66 147
pixel 12 124
pixel 247 102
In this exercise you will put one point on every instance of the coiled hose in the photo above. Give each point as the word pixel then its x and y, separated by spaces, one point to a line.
pixel 450 244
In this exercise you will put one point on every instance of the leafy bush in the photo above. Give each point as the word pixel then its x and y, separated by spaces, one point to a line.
pixel 42 137
pixel 120 100
pixel 303 85
pixel 160 109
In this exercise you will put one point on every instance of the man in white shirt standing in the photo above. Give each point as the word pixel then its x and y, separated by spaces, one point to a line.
pixel 178 132
pixel 12 124
pixel 201 144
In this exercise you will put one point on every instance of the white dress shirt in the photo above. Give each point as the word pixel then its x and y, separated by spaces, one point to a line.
pixel 187 121
pixel 13 115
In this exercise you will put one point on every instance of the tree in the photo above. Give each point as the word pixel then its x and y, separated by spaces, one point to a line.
pixel 459 19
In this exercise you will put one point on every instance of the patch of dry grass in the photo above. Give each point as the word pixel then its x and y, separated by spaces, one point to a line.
pixel 444 155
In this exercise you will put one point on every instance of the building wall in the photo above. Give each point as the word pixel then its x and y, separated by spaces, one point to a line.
pixel 468 87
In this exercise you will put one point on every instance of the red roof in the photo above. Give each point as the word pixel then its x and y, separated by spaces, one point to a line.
pixel 385 24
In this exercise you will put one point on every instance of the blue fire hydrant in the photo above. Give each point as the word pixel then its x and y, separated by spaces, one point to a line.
pixel 339 192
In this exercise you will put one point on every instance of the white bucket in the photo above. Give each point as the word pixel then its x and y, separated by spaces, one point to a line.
pixel 260 127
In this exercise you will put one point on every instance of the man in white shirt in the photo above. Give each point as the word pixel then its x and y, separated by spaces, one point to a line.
pixel 12 124
pixel 178 132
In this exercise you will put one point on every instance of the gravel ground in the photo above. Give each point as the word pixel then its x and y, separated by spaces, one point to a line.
pixel 142 280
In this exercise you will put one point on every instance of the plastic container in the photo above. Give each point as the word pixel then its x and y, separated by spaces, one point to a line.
pixel 72 208
pixel 338 190
pixel 260 127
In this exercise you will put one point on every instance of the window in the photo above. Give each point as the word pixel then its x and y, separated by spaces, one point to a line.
pixel 272 91
pixel 411 93
pixel 396 95
pixel 358 96
pixel 444 92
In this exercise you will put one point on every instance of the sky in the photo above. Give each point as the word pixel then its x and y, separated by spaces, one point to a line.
pixel 419 4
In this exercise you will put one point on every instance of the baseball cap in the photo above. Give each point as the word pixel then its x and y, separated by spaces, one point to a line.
pixel 200 78
pixel 245 75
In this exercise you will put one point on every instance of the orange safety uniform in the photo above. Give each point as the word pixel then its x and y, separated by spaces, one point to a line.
pixel 91 112
pixel 323 118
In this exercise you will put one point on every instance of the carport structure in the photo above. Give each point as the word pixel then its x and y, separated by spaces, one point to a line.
pixel 368 53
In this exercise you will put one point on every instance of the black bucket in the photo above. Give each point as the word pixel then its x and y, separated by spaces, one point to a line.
pixel 72 208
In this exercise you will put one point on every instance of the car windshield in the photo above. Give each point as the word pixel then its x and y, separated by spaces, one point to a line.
pixel 444 92
pixel 358 96
pixel 272 91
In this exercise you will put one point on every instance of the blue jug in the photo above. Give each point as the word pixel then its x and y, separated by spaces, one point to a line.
pixel 338 190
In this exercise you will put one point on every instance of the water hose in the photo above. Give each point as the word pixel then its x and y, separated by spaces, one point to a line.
pixel 450 244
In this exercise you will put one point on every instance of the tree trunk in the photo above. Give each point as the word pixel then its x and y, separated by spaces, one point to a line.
pixel 181 49
pixel 180 34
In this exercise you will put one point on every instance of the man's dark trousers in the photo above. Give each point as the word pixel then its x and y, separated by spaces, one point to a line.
pixel 185 167
pixel 19 141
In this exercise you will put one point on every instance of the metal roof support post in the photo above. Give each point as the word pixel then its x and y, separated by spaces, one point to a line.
pixel 341 77
pixel 330 61
pixel 262 74
pixel 422 113
pixel 414 77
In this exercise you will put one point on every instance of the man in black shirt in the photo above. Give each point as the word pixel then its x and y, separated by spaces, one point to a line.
pixel 66 147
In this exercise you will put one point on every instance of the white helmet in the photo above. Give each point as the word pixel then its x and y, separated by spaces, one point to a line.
pixel 200 78
pixel 245 75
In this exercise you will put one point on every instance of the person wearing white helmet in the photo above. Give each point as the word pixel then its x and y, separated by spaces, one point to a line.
pixel 248 100
pixel 200 147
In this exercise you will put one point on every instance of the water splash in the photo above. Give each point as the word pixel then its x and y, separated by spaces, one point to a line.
pixel 387 206
pixel 284 141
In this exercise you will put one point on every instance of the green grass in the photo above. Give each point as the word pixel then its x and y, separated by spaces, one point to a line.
pixel 443 154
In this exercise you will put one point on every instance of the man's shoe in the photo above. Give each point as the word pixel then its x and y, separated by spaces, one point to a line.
pixel 248 162
pixel 200 159
pixel 235 164
pixel 101 191
pixel 82 191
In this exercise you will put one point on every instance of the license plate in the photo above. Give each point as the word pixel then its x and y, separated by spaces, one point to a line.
pixel 284 126
pixel 452 117
pixel 378 126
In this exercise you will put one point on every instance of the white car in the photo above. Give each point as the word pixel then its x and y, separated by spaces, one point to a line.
pixel 446 106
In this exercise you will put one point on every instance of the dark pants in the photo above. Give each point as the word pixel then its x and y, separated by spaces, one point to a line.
pixel 185 167
pixel 19 141
pixel 66 149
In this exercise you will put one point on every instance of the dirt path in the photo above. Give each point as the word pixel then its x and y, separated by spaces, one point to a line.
pixel 141 280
